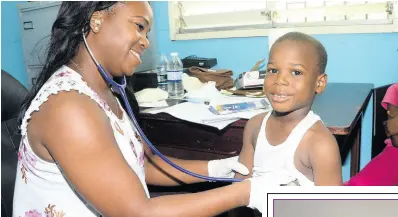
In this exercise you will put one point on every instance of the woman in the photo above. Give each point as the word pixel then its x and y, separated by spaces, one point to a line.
pixel 80 154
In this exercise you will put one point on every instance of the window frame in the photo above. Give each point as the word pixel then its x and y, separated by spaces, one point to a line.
pixel 232 33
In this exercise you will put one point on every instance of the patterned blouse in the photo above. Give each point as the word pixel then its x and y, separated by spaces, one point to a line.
pixel 41 189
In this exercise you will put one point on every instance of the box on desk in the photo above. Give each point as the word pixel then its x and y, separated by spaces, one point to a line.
pixel 250 80
pixel 141 80
pixel 203 62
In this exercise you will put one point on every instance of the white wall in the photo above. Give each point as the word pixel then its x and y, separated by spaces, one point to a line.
pixel 336 208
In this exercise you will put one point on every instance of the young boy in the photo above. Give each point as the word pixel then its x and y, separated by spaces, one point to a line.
pixel 290 144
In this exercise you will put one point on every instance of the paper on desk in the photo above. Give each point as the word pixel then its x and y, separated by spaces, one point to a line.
pixel 161 103
pixel 199 113
pixel 151 97
pixel 208 92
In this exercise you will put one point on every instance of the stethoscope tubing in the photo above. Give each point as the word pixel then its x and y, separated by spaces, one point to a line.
pixel 120 89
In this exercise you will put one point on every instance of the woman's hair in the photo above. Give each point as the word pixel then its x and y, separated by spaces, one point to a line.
pixel 66 36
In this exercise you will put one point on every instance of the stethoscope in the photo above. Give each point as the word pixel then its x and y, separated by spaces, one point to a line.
pixel 120 89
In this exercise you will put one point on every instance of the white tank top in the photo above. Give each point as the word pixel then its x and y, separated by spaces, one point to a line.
pixel 277 162
pixel 40 187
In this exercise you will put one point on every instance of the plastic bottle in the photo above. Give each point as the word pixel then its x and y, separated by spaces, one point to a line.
pixel 161 70
pixel 174 77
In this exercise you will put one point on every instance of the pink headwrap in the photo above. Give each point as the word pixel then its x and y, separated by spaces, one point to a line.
pixel 391 96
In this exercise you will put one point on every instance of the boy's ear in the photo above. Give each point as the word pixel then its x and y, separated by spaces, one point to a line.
pixel 322 80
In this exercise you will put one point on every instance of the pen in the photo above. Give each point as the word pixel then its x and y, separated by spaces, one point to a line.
pixel 198 101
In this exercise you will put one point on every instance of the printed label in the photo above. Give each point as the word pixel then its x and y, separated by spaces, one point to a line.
pixel 162 78
pixel 174 75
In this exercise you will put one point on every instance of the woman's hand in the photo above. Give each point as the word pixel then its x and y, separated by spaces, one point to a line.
pixel 226 168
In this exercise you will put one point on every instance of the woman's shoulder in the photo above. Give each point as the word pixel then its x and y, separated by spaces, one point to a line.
pixel 67 83
pixel 64 96
pixel 67 110
pixel 64 73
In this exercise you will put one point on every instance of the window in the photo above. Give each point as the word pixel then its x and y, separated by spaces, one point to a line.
pixel 223 19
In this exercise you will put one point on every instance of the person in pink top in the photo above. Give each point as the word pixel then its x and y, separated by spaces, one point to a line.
pixel 383 169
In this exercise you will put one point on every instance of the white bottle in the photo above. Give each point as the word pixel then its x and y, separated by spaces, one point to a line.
pixel 161 70
pixel 174 77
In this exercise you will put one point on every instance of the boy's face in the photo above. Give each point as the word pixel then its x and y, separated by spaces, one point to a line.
pixel 293 76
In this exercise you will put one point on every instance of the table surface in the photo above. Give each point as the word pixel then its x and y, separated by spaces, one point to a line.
pixel 339 106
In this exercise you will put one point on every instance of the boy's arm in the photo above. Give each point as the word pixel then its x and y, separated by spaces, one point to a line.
pixel 325 160
pixel 246 155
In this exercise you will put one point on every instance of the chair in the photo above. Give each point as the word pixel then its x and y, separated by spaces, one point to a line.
pixel 12 95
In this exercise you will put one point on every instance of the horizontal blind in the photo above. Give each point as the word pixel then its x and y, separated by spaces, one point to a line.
pixel 222 15
pixel 324 13
pixel 208 16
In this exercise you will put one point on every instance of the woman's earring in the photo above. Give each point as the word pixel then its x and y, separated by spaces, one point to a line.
pixel 97 24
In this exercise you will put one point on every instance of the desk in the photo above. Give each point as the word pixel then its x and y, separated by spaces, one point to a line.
pixel 340 106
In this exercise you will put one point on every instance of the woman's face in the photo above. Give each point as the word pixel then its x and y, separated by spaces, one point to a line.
pixel 121 37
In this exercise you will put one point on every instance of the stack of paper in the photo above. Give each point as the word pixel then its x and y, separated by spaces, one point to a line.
pixel 196 111
pixel 200 113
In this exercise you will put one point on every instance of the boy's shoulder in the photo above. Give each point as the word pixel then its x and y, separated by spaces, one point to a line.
pixel 256 121
pixel 320 149
pixel 320 130
pixel 319 136
pixel 253 127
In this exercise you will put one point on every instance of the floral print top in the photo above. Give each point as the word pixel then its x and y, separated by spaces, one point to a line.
pixel 41 189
